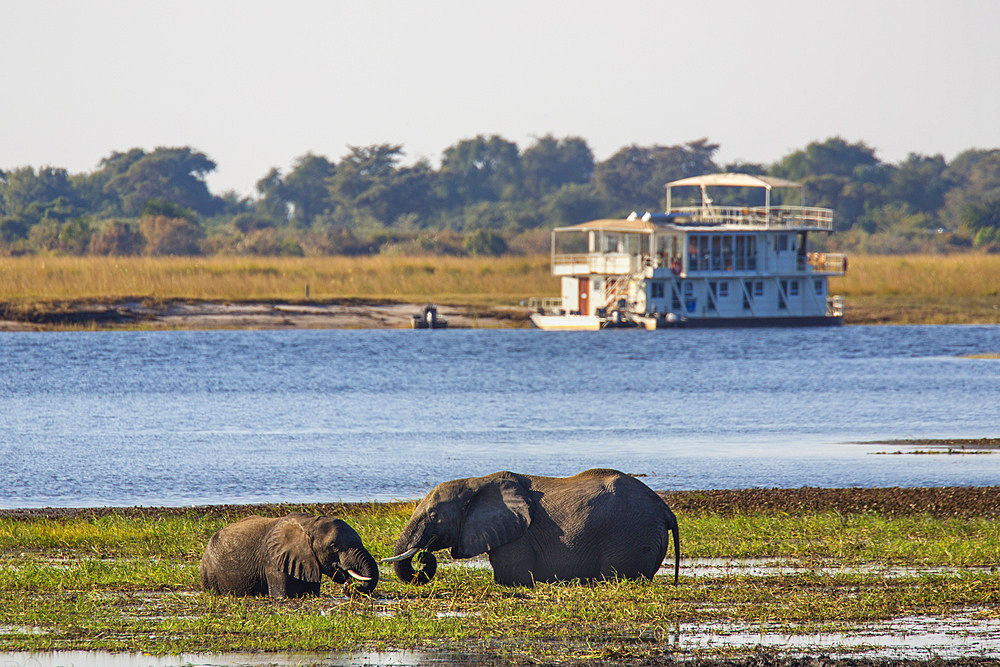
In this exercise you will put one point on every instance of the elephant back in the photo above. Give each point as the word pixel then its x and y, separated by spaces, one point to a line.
pixel 232 562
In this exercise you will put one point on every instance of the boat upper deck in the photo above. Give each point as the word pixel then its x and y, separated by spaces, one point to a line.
pixel 704 238
pixel 790 218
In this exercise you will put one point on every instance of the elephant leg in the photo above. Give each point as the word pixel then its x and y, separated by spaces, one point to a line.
pixel 642 562
pixel 514 564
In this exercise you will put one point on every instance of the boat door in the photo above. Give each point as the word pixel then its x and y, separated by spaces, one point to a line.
pixel 584 296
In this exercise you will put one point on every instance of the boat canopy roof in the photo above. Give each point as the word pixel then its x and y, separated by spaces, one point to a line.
pixel 634 226
pixel 734 180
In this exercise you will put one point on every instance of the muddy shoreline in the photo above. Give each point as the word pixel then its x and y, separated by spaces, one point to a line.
pixel 193 314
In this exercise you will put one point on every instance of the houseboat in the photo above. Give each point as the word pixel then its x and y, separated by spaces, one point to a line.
pixel 705 264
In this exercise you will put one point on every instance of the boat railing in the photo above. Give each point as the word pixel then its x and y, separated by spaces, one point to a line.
pixel 831 263
pixel 545 304
pixel 616 263
pixel 761 217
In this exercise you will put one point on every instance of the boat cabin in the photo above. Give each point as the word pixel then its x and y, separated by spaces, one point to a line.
pixel 699 263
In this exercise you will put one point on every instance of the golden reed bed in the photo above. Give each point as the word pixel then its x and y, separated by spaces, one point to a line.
pixel 958 288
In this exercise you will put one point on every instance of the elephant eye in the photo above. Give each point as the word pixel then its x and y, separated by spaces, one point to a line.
pixel 432 515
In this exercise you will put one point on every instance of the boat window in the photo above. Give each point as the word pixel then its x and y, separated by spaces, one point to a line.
pixel 818 286
pixel 656 290
pixel 782 243
pixel 722 252
pixel 724 288
pixel 746 253
pixel 793 288
pixel 758 288
pixel 693 253
pixel 688 288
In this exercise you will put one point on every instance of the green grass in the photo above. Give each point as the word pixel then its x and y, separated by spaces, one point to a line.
pixel 130 582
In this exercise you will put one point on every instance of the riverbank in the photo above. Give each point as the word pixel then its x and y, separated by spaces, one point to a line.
pixel 768 577
pixel 195 315
pixel 51 292
pixel 189 314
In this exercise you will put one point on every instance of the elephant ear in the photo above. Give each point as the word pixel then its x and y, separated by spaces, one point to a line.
pixel 290 549
pixel 498 513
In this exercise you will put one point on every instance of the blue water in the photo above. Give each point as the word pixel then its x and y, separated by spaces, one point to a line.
pixel 178 418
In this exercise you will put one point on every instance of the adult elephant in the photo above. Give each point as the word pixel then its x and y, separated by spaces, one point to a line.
pixel 599 524
pixel 286 557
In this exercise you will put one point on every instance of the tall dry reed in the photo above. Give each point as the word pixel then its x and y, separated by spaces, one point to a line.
pixel 959 275
pixel 461 280
pixel 504 280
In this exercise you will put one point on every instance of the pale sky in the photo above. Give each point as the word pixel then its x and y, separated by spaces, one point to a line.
pixel 255 84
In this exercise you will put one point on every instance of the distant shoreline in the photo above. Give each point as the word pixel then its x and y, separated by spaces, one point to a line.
pixel 943 501
pixel 193 314
pixel 206 315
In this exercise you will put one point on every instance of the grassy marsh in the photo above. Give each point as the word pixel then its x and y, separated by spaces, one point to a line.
pixel 121 580
pixel 878 289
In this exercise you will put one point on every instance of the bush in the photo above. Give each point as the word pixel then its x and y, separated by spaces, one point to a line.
pixel 171 236
pixel 485 242
pixel 118 238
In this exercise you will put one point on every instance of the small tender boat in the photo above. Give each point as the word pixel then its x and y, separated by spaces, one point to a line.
pixel 701 265
pixel 428 318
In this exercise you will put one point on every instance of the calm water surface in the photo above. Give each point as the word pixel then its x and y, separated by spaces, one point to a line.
pixel 177 418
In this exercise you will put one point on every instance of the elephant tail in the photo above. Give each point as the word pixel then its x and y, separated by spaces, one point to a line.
pixel 675 532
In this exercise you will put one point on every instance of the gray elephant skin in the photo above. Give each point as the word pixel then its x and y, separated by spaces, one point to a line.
pixel 599 524
pixel 286 557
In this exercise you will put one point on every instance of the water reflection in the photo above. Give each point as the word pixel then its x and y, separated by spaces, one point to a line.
pixel 966 634
pixel 106 659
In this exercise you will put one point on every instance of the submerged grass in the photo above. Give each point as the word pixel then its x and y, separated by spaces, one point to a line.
pixel 130 582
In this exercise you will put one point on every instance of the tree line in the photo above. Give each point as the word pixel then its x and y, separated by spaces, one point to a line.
pixel 486 197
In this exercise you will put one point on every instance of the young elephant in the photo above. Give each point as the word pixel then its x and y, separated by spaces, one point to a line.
pixel 286 557
pixel 599 524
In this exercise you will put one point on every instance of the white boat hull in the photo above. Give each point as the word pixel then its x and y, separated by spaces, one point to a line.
pixel 566 322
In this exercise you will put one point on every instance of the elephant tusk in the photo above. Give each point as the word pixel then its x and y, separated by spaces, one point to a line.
pixel 358 576
pixel 403 556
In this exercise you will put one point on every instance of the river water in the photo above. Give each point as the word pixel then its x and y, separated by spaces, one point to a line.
pixel 182 418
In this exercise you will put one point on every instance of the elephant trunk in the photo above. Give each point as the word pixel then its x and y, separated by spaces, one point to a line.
pixel 361 568
pixel 407 550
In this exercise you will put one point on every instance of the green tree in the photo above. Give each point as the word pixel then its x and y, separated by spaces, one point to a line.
pixel 983 222
pixel 480 169
pixel 845 177
pixel 974 176
pixel 306 189
pixel 635 177
pixel 551 163
pixel 919 182
pixel 272 200
pixel 175 175
pixel 27 196
pixel 574 203
pixel 370 185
